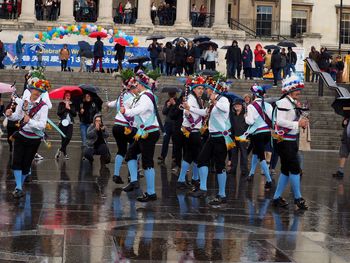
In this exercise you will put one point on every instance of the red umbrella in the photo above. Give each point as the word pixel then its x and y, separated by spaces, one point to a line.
pixel 98 34
pixel 121 41
pixel 57 94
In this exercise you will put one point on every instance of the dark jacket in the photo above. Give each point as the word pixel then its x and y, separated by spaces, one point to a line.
pixel 238 124
pixel 98 49
pixel 170 55
pixel 292 58
pixel 247 58
pixel 176 115
pixel 166 111
pixel 314 56
pixel 234 54
pixel 283 60
pixel 197 52
pixel 90 109
pixel 92 133
pixel 120 55
pixel 276 60
pixel 323 62
pixel 19 45
pixel 154 51
pixel 180 55
pixel 191 52
pixel 62 112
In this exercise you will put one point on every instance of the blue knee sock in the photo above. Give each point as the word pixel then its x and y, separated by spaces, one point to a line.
pixel 203 175
pixel 18 178
pixel 184 167
pixel 118 164
pixel 295 184
pixel 222 183
pixel 195 175
pixel 282 183
pixel 150 176
pixel 132 166
pixel 253 164
pixel 266 170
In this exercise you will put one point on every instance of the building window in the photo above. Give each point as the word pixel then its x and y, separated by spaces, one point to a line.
pixel 345 29
pixel 263 20
pixel 299 22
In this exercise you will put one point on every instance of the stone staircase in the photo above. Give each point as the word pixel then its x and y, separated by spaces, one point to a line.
pixel 325 124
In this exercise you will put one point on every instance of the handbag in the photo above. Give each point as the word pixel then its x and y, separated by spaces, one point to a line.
pixel 190 59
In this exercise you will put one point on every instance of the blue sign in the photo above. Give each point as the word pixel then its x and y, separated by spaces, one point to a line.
pixel 51 55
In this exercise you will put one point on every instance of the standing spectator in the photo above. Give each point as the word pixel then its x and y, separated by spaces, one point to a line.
pixel 247 59
pixel 340 68
pixel 202 15
pixel 127 11
pixel 39 55
pixel 211 57
pixel 234 59
pixel 197 57
pixel 276 66
pixel 180 57
pixel 39 9
pixel 120 14
pixel 169 58
pixel 323 62
pixel 9 8
pixel 153 12
pixel 64 56
pixel 259 60
pixel 87 111
pixel 161 59
pixel 48 7
pixel 194 15
pixel 83 54
pixel 119 56
pixel 344 150
pixel 54 10
pixel 190 59
pixel 291 60
pixel 98 54
pixel 19 52
pixel 3 55
pixel 154 50
pixel 315 56
pixel 161 14
pixel 267 66
pixel 284 62
pixel 333 69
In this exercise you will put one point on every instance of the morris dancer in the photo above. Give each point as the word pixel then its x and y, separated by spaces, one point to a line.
pixel 33 113
pixel 217 145
pixel 259 114
pixel 287 124
pixel 123 129
pixel 193 115
pixel 145 113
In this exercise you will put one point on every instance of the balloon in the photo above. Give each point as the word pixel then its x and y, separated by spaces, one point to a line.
pixel 110 31
pixel 136 41
pixel 99 28
pixel 37 36
pixel 111 40
pixel 49 28
pixel 61 37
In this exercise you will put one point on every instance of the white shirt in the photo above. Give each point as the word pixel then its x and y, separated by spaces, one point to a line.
pixel 128 99
pixel 253 117
pixel 195 111
pixel 45 97
pixel 127 7
pixel 143 108
pixel 219 120
pixel 287 119
pixel 39 120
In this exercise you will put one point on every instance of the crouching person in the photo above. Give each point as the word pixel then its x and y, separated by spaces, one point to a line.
pixel 96 141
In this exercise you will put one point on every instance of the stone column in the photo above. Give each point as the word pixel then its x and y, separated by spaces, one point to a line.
pixel 66 15
pixel 144 13
pixel 105 15
pixel 220 19
pixel 28 12
pixel 183 14
pixel 285 18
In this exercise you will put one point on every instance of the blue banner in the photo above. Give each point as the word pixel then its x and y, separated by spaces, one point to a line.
pixel 51 57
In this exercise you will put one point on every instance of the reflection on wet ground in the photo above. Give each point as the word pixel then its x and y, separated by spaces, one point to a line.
pixel 72 213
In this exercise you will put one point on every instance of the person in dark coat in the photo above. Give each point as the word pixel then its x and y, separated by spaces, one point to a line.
pixel 276 66
pixel 169 58
pixel 324 61
pixel 119 55
pixel 233 60
pixel 247 59
pixel 315 56
pixel 291 60
pixel 190 59
pixel 154 50
pixel 98 53
pixel 180 57
pixel 87 111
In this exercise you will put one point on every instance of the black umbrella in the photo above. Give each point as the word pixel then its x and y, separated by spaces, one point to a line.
pixel 206 44
pixel 86 88
pixel 341 106
pixel 208 72
pixel 286 43
pixel 273 47
pixel 178 39
pixel 139 59
pixel 171 89
pixel 85 49
pixel 155 37
pixel 225 47
pixel 201 39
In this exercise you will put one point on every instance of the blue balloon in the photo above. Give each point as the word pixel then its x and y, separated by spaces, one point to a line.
pixel 111 40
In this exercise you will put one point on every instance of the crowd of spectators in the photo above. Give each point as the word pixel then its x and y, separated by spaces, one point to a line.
pixel 47 9
pixel 85 10
pixel 10 9
pixel 164 14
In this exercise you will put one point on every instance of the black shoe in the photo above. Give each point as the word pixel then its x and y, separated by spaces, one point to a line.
pixel 268 185
pixel 131 186
pixel 300 203
pixel 338 174
pixel 195 183
pixel 118 180
pixel 279 202
pixel 250 178
pixel 17 193
pixel 182 185
pixel 146 197
pixel 199 193
pixel 218 200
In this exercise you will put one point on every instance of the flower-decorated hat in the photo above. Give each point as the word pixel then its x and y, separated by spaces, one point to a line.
pixel 292 83
pixel 258 90
pixel 143 79
pixel 41 85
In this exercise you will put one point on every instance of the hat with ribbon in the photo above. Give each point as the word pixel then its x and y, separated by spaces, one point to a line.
pixel 41 85
pixel 143 79
pixel 292 83
pixel 259 91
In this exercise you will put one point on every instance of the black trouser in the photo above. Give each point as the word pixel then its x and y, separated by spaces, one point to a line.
pixel 193 145
pixel 288 153
pixel 258 143
pixel 68 131
pixel 179 145
pixel 276 75
pixel 64 65
pixel 146 147
pixel 211 65
pixel 168 128
pixel 121 139
pixel 247 73
pixel 101 150
pixel 214 149
pixel 169 68
pixel 10 130
pixel 24 152
pixel 240 150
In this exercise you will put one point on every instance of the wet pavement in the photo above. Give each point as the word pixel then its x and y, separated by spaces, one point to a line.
pixel 72 213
